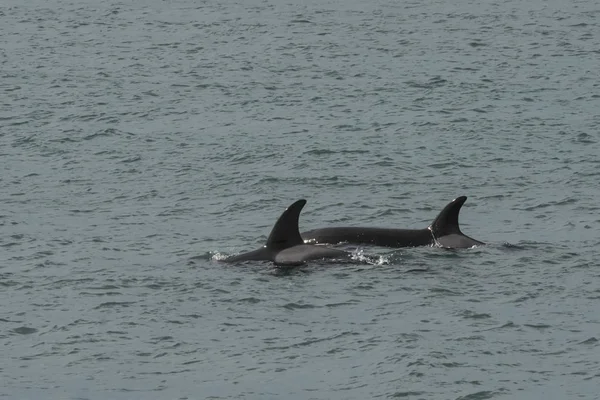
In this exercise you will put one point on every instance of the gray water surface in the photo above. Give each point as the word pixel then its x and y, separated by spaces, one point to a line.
pixel 141 143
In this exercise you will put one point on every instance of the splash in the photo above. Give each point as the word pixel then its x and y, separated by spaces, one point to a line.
pixel 216 256
pixel 359 255
pixel 208 256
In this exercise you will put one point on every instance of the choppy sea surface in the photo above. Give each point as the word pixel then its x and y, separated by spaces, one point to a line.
pixel 141 142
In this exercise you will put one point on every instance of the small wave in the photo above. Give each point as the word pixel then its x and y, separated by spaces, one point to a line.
pixel 131 159
pixel 318 152
pixel 473 315
pixel 313 340
pixel 538 326
pixel 512 246
pixel 250 300
pixel 432 83
pixel 293 306
pixel 399 395
pixel 23 330
pixel 509 324
pixel 106 133
pixel 444 291
pixel 111 304
pixel 483 395
pixel 591 340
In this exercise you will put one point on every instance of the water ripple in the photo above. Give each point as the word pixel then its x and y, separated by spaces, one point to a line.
pixel 142 143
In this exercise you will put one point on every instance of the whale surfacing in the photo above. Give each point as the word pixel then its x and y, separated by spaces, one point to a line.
pixel 444 232
pixel 285 246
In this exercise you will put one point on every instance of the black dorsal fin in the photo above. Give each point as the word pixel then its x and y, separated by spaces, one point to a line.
pixel 446 222
pixel 286 233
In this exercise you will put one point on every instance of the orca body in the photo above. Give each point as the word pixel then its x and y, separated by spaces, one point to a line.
pixel 285 245
pixel 443 232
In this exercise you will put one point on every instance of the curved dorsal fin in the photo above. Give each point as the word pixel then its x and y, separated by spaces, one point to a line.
pixel 446 222
pixel 285 233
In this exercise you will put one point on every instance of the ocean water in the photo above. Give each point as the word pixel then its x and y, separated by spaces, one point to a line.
pixel 141 142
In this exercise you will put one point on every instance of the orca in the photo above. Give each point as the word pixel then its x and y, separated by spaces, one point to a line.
pixel 444 232
pixel 285 246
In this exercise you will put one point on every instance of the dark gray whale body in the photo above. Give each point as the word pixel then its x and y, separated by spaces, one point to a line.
pixel 285 245
pixel 443 232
